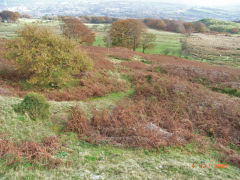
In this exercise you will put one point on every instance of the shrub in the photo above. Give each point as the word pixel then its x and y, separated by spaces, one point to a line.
pixel 35 105
pixel 77 122
pixel 45 59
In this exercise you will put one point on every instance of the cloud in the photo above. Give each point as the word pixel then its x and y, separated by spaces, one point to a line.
pixel 213 3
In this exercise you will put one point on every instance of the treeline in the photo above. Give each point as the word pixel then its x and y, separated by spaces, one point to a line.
pixel 9 16
pixel 98 19
pixel 176 25
pixel 159 24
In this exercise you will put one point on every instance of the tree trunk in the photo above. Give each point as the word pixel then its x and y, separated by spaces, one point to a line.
pixel 134 44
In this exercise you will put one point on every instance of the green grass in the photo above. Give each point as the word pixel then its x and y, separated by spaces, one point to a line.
pixel 99 41
pixel 114 97
pixel 229 91
pixel 166 43
pixel 217 87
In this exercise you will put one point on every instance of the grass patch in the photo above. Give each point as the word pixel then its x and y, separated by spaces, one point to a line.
pixel 116 96
pixel 217 87
pixel 203 81
pixel 233 147
pixel 166 41
pixel 118 58
pixel 99 41
pixel 229 91
pixel 35 105
pixel 8 30
pixel 146 62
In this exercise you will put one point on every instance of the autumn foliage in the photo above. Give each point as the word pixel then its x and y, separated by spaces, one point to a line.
pixel 175 25
pixel 127 33
pixel 98 19
pixel 44 59
pixel 32 152
pixel 9 16
pixel 74 28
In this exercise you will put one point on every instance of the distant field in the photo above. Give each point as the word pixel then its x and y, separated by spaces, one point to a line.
pixel 8 30
pixel 166 43
pixel 220 26
pixel 100 31
pixel 215 49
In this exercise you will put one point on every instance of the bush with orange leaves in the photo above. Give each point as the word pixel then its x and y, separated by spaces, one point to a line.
pixel 31 151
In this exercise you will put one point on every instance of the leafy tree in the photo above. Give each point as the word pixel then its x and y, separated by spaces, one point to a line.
pixel 148 41
pixel 175 26
pixel 189 27
pixel 201 27
pixel 9 16
pixel 74 28
pixel 127 33
pixel 235 30
pixel 155 23
pixel 161 25
pixel 45 59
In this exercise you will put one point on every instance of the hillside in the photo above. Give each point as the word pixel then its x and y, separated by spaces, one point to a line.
pixel 131 116
pixel 221 26
pixel 174 82
pixel 124 9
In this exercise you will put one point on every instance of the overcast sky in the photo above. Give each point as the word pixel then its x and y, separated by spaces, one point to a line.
pixel 213 3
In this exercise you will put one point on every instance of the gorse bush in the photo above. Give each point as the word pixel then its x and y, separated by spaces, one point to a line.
pixel 35 105
pixel 45 59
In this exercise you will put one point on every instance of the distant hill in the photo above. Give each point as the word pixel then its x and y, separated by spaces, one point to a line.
pixel 122 9
pixel 221 26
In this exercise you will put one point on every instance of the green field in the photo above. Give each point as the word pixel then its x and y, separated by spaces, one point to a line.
pixel 166 43
pixel 99 41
